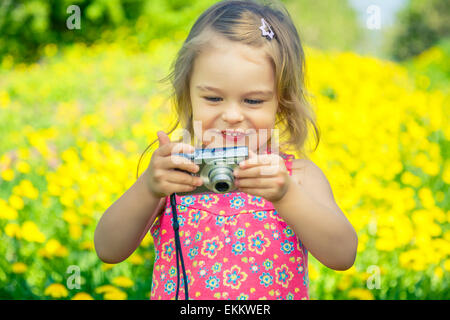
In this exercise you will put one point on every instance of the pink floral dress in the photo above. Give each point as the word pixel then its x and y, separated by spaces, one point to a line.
pixel 234 245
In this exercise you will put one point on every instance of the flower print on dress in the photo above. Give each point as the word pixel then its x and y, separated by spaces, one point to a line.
pixel 168 250
pixel 234 277
pixel 216 267
pixel 242 296
pixel 240 233
pixel 257 201
pixel 283 275
pixel 187 200
pixel 258 243
pixel 238 248
pixel 190 280
pixel 193 252
pixel 287 247
pixel 207 200
pixel 237 202
pixel 169 287
pixel 260 215
pixel 211 247
pixel 154 287
pixel 266 279
pixel 276 235
pixel 202 272
pixel 225 220
pixel 172 272
pixel 181 209
pixel 274 215
pixel 254 268
pixel 198 236
pixel 194 217
pixel 188 241
pixel 268 264
pixel 213 282
pixel 180 219
pixel 288 232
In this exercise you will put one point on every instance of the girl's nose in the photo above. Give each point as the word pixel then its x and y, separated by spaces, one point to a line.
pixel 232 114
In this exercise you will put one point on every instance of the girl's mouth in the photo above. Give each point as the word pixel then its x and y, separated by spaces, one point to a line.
pixel 233 135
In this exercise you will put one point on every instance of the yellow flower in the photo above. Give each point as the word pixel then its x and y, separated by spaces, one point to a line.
pixel 56 290
pixel 313 273
pixel 6 212
pixel 53 248
pixel 123 282
pixel 16 202
pixel 13 230
pixel 82 296
pixel 135 259
pixel 148 239
pixel 111 293
pixel 31 232
pixel 4 99
pixel 75 231
pixel 19 267
pixel 8 174
pixel 438 272
pixel 115 295
pixel 26 189
pixel 87 245
pixel 107 266
pixel 447 265
pixel 361 294
pixel 23 167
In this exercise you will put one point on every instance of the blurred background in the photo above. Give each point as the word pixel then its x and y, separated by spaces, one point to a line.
pixel 80 101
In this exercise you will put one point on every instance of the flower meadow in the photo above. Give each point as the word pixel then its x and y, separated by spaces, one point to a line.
pixel 74 125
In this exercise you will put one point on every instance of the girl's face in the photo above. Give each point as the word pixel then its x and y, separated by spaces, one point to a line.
pixel 233 96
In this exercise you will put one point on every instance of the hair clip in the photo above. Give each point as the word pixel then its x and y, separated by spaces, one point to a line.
pixel 268 34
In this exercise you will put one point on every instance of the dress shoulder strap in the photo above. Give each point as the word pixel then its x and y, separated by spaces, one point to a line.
pixel 288 158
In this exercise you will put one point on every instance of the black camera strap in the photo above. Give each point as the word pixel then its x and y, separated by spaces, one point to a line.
pixel 178 251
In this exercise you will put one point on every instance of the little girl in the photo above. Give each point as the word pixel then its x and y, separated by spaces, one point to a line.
pixel 239 75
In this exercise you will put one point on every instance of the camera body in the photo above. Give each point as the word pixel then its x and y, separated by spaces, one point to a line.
pixel 216 168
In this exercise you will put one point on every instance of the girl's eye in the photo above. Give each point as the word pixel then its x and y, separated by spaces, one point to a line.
pixel 254 101
pixel 212 99
pixel 250 101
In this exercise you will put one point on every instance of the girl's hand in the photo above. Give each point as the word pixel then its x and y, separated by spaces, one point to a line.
pixel 263 175
pixel 163 178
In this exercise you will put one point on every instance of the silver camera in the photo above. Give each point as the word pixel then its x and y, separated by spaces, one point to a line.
pixel 216 168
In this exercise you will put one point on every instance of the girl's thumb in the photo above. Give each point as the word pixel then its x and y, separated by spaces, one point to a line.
pixel 163 138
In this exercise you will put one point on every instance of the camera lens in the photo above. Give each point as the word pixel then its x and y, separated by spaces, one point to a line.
pixel 222 179
pixel 222 186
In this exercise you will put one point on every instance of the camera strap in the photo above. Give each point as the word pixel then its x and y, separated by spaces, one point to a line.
pixel 178 251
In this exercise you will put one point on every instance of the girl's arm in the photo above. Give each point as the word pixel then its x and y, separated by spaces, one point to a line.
pixel 122 227
pixel 309 208
pixel 124 224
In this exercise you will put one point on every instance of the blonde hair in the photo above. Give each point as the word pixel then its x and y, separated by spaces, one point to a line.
pixel 239 20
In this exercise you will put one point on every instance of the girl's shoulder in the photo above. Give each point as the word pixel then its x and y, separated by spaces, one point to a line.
pixel 303 168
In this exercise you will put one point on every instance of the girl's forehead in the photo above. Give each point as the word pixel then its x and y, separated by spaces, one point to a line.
pixel 226 53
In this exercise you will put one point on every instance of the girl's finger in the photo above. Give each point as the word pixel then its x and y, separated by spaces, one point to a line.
pixel 176 188
pixel 259 160
pixel 260 183
pixel 252 191
pixel 174 148
pixel 179 162
pixel 179 177
pixel 254 172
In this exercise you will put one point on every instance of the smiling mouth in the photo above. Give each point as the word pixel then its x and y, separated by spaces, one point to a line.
pixel 233 133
